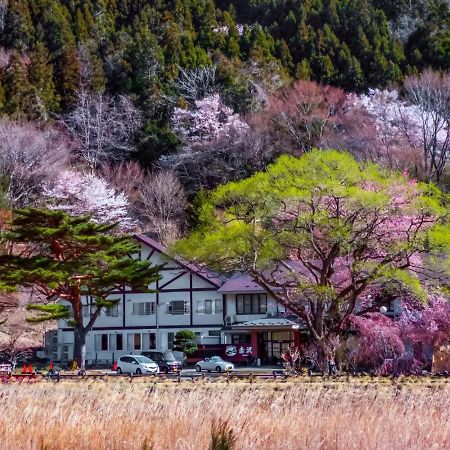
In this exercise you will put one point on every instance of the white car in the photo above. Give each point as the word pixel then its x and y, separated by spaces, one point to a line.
pixel 136 364
pixel 215 363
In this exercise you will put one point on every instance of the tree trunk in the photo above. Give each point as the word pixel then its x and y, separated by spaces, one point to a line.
pixel 79 350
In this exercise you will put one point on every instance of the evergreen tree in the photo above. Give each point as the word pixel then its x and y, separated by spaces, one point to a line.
pixel 68 258
pixel 69 76
pixel 41 77
pixel 19 98
pixel 185 342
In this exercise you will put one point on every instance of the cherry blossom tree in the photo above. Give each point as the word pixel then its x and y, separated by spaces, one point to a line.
pixel 378 340
pixel 300 115
pixel 326 236
pixel 430 93
pixel 81 194
pixel 427 324
pixel 210 119
pixel 413 130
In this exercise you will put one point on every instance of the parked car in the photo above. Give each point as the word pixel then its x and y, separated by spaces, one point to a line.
pixel 136 364
pixel 215 363
pixel 166 361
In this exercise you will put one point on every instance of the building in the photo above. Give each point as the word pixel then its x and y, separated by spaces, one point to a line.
pixel 220 310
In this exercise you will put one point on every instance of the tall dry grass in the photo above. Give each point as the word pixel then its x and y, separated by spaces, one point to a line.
pixel 272 415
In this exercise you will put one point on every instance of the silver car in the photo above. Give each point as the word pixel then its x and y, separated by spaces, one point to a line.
pixel 215 363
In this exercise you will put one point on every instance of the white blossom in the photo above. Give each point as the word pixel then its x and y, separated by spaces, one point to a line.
pixel 209 120
pixel 86 194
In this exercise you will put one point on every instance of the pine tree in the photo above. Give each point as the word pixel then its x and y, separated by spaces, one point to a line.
pixel 41 77
pixel 70 257
pixel 69 77
pixel 19 98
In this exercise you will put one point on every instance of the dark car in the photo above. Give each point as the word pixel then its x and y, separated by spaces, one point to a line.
pixel 165 360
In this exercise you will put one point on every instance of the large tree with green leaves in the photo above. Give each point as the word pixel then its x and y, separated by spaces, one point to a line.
pixel 327 236
pixel 65 258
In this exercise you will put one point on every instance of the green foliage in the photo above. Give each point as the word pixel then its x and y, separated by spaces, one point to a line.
pixel 344 42
pixel 328 211
pixel 66 257
pixel 137 48
pixel 222 436
pixel 185 341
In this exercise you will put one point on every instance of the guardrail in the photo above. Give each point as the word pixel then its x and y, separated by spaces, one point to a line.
pixel 58 376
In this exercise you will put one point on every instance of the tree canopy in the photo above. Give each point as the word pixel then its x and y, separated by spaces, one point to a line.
pixel 64 258
pixel 327 236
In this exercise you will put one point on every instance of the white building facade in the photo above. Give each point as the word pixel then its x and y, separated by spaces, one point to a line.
pixel 186 297
pixel 232 311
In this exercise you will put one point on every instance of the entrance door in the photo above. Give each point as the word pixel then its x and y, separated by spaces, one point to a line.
pixel 274 344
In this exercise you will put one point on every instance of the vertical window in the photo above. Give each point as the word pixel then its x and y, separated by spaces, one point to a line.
pixel 112 312
pixel 115 342
pixel 152 341
pixel 208 307
pixel 200 307
pixel 134 341
pixel 247 304
pixel 101 342
pixel 170 339
pixel 104 342
pixel 137 342
pixel 86 311
pixel 218 306
pixel 119 341
pixel 148 341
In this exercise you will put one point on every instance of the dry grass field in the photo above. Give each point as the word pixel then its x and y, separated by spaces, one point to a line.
pixel 117 414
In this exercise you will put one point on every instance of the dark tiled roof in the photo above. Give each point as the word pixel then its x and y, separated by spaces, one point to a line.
pixel 204 273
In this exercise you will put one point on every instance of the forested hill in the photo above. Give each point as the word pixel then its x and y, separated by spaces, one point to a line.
pixel 133 46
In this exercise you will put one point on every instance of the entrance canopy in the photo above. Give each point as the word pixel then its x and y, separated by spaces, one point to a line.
pixel 268 323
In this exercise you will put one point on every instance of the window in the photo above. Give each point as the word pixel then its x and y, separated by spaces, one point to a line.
pixel 214 333
pixel 144 309
pixel 112 312
pixel 218 305
pixel 115 342
pixel 251 304
pixel 170 339
pixel 134 341
pixel 239 339
pixel 209 306
pixel 86 311
pixel 148 341
pixel 119 342
pixel 137 341
pixel 101 342
pixel 178 307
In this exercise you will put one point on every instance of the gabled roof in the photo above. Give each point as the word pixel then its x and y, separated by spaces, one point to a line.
pixel 241 282
pixel 204 273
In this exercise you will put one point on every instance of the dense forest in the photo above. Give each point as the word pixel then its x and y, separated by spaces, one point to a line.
pixel 127 94
pixel 52 47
